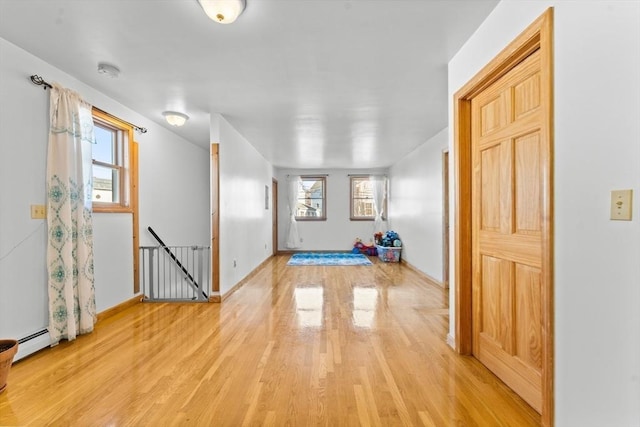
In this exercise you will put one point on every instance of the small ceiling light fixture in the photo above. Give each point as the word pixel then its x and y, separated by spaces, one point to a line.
pixel 108 70
pixel 174 118
pixel 223 11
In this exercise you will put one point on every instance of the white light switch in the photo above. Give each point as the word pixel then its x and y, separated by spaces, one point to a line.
pixel 621 205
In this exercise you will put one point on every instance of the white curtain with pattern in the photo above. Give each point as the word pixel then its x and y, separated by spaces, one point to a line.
pixel 72 307
pixel 379 187
pixel 293 238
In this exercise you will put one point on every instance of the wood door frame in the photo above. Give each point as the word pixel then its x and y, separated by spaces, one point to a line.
pixel 538 36
pixel 215 222
pixel 445 219
pixel 135 216
pixel 274 216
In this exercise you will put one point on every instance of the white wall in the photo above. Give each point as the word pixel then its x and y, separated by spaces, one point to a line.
pixel 597 149
pixel 415 209
pixel 112 247
pixel 338 232
pixel 245 224
pixel 22 177
pixel 173 187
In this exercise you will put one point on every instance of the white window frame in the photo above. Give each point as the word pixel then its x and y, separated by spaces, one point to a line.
pixel 322 217
pixel 353 216
pixel 123 155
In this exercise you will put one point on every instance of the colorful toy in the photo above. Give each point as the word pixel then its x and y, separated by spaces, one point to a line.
pixel 377 237
pixel 359 247
pixel 388 238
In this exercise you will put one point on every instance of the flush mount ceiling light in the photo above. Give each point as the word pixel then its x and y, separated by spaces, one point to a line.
pixel 174 118
pixel 223 11
pixel 108 70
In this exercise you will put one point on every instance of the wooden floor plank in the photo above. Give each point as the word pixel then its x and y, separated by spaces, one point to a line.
pixel 293 346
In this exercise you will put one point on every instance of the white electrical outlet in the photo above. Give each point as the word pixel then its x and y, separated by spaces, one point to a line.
pixel 38 212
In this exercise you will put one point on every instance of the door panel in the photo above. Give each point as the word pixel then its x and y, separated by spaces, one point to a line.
pixel 493 115
pixel 526 95
pixel 528 315
pixel 497 301
pixel 491 188
pixel 527 184
pixel 506 225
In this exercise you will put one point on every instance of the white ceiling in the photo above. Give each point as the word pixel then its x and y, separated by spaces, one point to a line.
pixel 310 83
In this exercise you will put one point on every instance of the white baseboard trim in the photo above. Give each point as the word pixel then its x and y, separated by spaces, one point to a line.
pixel 451 341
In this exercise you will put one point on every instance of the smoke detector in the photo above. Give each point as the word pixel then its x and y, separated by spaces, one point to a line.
pixel 108 70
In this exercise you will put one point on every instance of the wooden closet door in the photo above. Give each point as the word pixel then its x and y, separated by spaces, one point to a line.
pixel 507 147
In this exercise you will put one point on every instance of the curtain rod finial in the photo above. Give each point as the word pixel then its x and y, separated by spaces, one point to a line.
pixel 36 79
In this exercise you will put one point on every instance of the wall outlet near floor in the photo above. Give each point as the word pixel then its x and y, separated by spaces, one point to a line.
pixel 234 262
pixel 301 240
pixel 38 212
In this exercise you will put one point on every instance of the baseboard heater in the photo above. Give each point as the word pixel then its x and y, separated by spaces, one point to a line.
pixel 32 343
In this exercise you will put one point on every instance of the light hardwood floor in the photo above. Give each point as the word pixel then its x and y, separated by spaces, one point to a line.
pixel 295 346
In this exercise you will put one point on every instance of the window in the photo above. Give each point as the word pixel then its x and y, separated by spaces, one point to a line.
pixel 111 164
pixel 362 205
pixel 311 199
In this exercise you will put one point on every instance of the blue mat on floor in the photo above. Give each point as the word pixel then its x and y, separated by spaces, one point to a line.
pixel 333 258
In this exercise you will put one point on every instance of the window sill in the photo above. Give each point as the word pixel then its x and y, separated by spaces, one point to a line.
pixel 111 209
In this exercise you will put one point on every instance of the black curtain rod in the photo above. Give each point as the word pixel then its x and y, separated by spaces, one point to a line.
pixel 37 80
